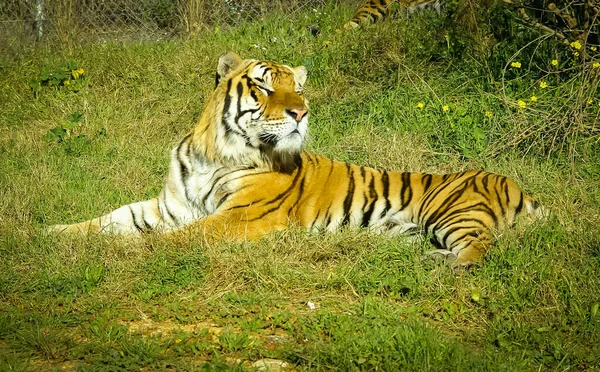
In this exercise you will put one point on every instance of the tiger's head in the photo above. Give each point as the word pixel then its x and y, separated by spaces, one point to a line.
pixel 257 113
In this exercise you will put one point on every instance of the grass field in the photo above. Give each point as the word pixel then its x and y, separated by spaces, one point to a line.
pixel 382 96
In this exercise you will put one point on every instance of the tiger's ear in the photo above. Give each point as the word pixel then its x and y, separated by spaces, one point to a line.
pixel 300 73
pixel 227 63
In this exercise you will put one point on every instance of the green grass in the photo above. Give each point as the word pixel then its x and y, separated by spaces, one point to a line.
pixel 103 303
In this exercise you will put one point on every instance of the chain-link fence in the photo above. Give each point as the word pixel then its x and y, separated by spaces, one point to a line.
pixel 25 20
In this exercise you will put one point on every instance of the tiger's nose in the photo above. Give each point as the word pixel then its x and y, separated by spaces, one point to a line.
pixel 296 113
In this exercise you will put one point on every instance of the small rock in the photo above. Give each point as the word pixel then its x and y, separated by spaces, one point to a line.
pixel 277 339
pixel 270 365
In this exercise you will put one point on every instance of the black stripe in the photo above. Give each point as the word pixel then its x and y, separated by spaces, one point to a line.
pixel 283 196
pixel 253 95
pixel 482 237
pixel 229 129
pixel 406 188
pixel 349 196
pixel 183 169
pixel 479 207
pixel 432 196
pixel 207 195
pixel 226 107
pixel 135 223
pixel 373 200
pixel 240 92
pixel 503 184
pixel 485 193
pixel 312 224
pixel 500 201
pixel 300 192
pixel 188 152
pixel 451 231
pixel 434 241
pixel 244 205
pixel 287 191
pixel 459 241
pixel 239 112
pixel 330 169
pixel 442 208
pixel 215 180
pixel 385 180
pixel 500 204
pixel 171 215
pixel 222 200
pixel 328 217
pixel 146 224
pixel 520 206
pixel 484 182
pixel 426 182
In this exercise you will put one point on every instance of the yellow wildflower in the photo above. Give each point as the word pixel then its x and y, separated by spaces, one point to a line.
pixel 533 98
pixel 67 82
pixel 489 114
pixel 445 108
pixel 576 45
pixel 516 64
pixel 593 49
pixel 554 62
pixel 420 105
pixel 77 73
pixel 543 84
pixel 590 101
pixel 576 54
pixel 596 64
pixel 521 103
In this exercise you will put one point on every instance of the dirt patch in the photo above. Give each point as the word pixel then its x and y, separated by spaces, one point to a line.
pixel 149 327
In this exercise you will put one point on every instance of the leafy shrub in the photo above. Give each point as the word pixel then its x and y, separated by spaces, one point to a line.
pixel 70 75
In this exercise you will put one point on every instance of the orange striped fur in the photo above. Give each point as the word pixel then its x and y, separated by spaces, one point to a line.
pixel 376 10
pixel 241 173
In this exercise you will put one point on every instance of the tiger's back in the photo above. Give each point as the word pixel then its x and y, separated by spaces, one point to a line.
pixel 459 210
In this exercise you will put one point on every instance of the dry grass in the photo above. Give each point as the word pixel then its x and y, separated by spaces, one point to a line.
pixel 378 305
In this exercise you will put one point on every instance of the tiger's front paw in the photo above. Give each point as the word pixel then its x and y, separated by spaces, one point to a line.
pixel 63 229
pixel 450 260
pixel 439 256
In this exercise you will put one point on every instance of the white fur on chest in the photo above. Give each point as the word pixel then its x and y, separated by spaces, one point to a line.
pixel 195 188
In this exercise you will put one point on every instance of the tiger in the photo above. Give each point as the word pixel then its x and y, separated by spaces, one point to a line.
pixel 375 10
pixel 241 173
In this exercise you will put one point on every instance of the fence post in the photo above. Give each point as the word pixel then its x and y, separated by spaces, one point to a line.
pixel 39 18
